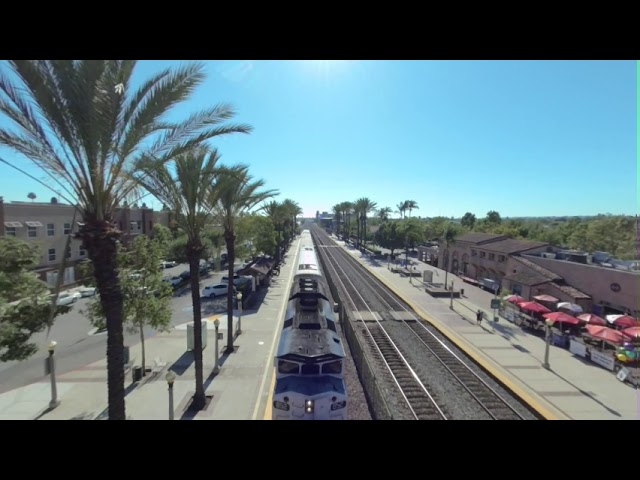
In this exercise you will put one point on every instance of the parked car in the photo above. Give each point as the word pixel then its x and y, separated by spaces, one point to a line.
pixel 174 281
pixel 67 298
pixel 168 264
pixel 237 279
pixel 87 291
pixel 217 290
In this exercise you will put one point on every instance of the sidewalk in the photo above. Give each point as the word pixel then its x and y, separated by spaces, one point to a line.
pixel 238 392
pixel 572 389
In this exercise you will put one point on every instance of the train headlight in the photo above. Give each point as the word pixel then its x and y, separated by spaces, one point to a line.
pixel 281 405
pixel 308 406
pixel 338 405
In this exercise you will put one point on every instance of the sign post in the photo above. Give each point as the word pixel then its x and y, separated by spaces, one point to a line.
pixel 495 305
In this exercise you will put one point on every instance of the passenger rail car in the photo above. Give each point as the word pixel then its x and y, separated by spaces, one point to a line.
pixel 310 357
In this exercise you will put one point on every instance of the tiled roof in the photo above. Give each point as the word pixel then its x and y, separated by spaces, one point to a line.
pixel 511 245
pixel 571 291
pixel 477 238
pixel 526 278
pixel 541 270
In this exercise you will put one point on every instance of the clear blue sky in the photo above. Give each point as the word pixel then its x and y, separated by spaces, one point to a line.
pixel 525 138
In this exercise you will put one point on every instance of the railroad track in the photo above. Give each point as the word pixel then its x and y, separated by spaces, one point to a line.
pixel 485 395
pixel 415 394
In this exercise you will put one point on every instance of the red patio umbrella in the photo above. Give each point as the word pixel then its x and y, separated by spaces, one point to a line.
pixel 592 319
pixel 515 299
pixel 546 298
pixel 626 321
pixel 534 307
pixel 633 332
pixel 605 333
pixel 562 317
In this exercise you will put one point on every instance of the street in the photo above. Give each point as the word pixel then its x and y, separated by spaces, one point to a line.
pixel 77 345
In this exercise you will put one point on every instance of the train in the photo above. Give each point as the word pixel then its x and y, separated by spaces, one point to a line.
pixel 310 358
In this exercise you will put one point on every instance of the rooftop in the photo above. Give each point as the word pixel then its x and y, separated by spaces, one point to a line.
pixel 510 246
pixel 479 238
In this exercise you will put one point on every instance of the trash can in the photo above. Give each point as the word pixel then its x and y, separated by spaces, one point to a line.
pixel 462 292
pixel 136 372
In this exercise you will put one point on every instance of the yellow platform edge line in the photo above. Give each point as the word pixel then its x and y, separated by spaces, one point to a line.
pixel 533 400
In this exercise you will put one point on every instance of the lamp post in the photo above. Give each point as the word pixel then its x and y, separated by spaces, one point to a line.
pixel 216 368
pixel 548 324
pixel 171 377
pixel 239 312
pixel 52 370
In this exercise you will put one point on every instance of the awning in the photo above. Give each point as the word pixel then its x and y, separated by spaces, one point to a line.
pixel 13 224
pixel 562 318
pixel 534 307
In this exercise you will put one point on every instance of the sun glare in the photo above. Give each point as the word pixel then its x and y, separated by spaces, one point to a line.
pixel 326 67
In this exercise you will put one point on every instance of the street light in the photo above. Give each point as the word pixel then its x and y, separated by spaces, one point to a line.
pixel 239 297
pixel 171 377
pixel 52 370
pixel 216 323
pixel 548 323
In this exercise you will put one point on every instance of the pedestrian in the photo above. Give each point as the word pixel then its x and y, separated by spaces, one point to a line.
pixel 479 317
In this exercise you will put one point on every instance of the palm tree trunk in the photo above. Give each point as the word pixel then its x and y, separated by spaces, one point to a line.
pixel 194 250
pixel 144 367
pixel 99 237
pixel 231 253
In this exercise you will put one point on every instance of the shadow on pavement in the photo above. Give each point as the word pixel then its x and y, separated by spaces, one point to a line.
pixel 183 363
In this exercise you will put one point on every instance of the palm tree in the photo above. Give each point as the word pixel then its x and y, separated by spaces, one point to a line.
pixel 402 207
pixel 187 195
pixel 82 123
pixel 363 206
pixel 410 205
pixel 235 192
pixel 449 238
pixel 274 211
pixel 383 213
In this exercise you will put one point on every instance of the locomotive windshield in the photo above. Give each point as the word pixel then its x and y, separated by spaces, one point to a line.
pixel 287 367
pixel 332 367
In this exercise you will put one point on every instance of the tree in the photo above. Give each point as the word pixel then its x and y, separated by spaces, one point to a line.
pixel 448 238
pixel 188 194
pixel 493 217
pixel 86 128
pixel 411 205
pixel 390 236
pixel 234 193
pixel 163 237
pixel 25 305
pixel 260 231
pixel 31 196
pixel 468 220
pixel 146 296
pixel 383 213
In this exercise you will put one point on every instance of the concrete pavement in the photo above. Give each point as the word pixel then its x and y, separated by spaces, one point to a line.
pixel 239 391
pixel 572 389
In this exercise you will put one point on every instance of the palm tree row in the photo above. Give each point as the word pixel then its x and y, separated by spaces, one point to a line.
pixel 284 216
pixel 360 209
pixel 100 141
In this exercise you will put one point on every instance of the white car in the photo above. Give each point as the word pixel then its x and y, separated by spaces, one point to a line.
pixel 87 291
pixel 212 291
pixel 168 264
pixel 67 298
pixel 237 279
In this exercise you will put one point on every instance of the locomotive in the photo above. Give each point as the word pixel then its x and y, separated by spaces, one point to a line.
pixel 310 357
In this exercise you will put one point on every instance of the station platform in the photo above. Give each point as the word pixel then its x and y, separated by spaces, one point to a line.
pixel 239 391
pixel 572 389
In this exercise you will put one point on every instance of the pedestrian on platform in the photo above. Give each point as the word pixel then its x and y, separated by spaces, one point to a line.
pixel 479 317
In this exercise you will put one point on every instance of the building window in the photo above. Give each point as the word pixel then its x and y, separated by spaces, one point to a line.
pixel 52 254
pixel 492 256
pixel 67 228
pixel 501 258
pixel 51 229
pixel 483 254
pixel 10 232
pixel 474 253
pixel 32 232
pixel 81 251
